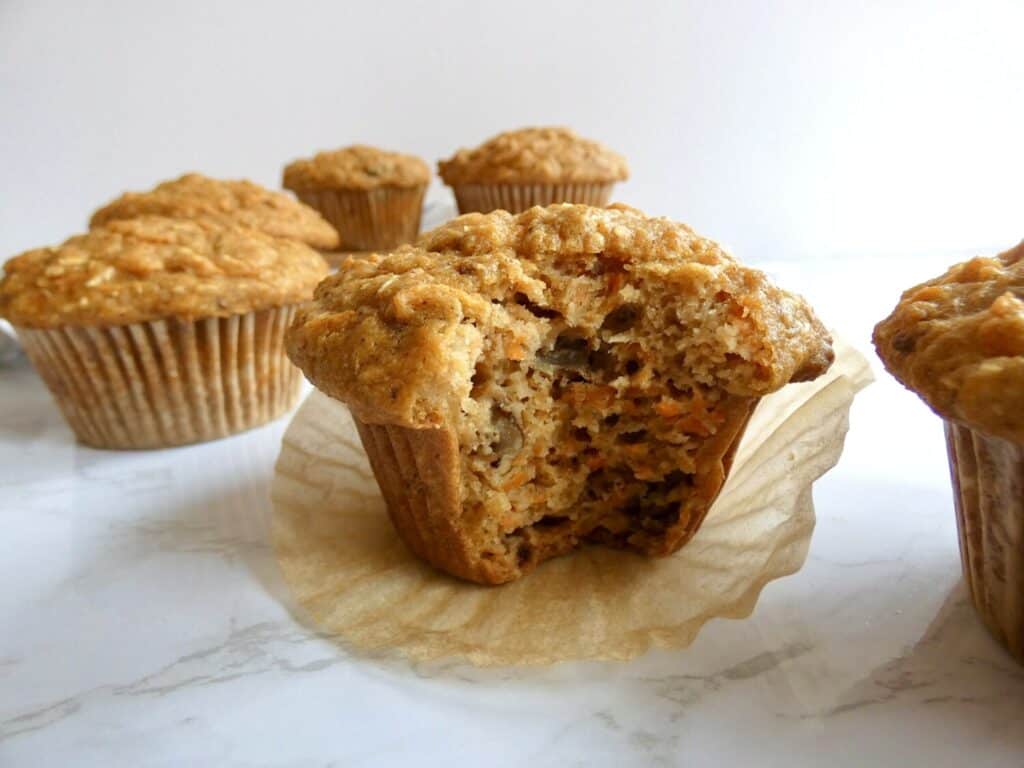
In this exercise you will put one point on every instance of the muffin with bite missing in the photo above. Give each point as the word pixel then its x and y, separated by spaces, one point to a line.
pixel 524 384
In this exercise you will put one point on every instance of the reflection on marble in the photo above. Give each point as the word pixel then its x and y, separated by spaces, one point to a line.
pixel 143 622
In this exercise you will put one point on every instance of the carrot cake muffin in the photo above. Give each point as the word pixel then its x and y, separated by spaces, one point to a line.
pixel 958 342
pixel 374 198
pixel 525 383
pixel 153 332
pixel 532 166
pixel 232 203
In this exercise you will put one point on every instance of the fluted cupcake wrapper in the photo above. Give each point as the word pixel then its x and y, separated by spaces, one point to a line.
pixel 516 198
pixel 988 485
pixel 370 220
pixel 167 382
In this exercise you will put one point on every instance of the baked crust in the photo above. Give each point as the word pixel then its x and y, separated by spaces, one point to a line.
pixel 227 203
pixel 356 167
pixel 151 267
pixel 958 342
pixel 535 155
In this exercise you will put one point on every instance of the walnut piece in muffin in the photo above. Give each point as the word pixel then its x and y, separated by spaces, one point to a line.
pixel 534 155
pixel 228 203
pixel 356 167
pixel 958 341
pixel 564 375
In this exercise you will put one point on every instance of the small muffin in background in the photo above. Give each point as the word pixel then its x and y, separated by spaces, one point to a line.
pixel 229 203
pixel 152 332
pixel 533 166
pixel 374 198
pixel 524 384
pixel 958 342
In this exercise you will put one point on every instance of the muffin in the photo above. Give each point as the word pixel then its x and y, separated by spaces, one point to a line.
pixel 532 166
pixel 374 198
pixel 958 342
pixel 526 383
pixel 152 332
pixel 226 203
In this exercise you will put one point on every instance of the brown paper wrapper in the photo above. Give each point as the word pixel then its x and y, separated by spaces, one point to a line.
pixel 516 198
pixel 369 220
pixel 350 572
pixel 988 490
pixel 167 382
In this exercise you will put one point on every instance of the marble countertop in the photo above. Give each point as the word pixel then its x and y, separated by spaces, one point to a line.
pixel 143 621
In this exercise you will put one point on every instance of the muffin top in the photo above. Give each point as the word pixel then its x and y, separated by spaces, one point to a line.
pixel 152 267
pixel 958 341
pixel 231 203
pixel 356 167
pixel 396 336
pixel 534 155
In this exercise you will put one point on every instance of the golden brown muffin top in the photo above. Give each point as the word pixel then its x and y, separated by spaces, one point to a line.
pixel 230 203
pixel 152 267
pixel 958 341
pixel 533 155
pixel 356 167
pixel 397 336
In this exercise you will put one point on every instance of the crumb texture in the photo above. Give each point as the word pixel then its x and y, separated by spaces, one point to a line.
pixel 958 341
pixel 591 371
pixel 151 267
pixel 535 155
pixel 356 167
pixel 228 203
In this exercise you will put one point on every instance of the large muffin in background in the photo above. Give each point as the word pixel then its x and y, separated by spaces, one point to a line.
pixel 231 203
pixel 526 383
pixel 152 332
pixel 518 169
pixel 958 342
pixel 373 197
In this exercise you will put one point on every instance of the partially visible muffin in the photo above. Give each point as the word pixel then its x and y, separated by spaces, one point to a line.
pixel 958 342
pixel 153 331
pixel 373 197
pixel 533 166
pixel 526 383
pixel 227 203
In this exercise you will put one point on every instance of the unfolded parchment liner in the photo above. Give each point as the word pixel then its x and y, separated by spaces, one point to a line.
pixel 349 571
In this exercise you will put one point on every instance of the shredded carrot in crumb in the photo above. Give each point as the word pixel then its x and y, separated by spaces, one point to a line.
pixel 669 409
pixel 515 350
pixel 596 462
pixel 516 480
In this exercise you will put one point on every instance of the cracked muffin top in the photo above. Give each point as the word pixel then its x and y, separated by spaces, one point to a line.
pixel 958 341
pixel 535 155
pixel 397 336
pixel 229 203
pixel 356 167
pixel 154 267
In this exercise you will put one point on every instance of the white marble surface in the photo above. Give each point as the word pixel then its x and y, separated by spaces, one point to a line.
pixel 143 621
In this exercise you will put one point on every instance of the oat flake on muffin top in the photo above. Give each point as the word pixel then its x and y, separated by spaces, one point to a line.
pixel 356 167
pixel 958 341
pixel 152 267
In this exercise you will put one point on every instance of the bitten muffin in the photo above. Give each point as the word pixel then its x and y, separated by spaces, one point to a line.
pixel 958 342
pixel 153 332
pixel 374 198
pixel 524 383
pixel 532 166
pixel 227 203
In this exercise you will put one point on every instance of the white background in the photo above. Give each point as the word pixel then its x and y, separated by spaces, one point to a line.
pixel 784 129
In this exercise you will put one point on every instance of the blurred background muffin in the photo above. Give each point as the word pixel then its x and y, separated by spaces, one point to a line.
pixel 152 332
pixel 516 170
pixel 373 197
pixel 231 203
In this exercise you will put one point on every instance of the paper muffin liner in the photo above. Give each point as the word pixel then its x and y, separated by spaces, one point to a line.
pixel 370 220
pixel 354 577
pixel 167 382
pixel 988 489
pixel 516 198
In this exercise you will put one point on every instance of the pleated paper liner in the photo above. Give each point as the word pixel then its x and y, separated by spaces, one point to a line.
pixel 369 220
pixel 516 198
pixel 167 382
pixel 351 574
pixel 988 489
